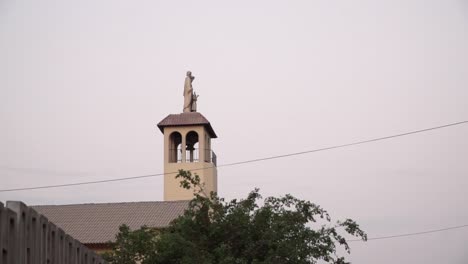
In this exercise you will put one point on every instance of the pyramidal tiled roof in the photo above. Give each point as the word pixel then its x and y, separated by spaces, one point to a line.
pixel 186 119
pixel 99 223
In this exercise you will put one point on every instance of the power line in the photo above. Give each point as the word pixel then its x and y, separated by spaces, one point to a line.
pixel 411 234
pixel 239 162
pixel 345 145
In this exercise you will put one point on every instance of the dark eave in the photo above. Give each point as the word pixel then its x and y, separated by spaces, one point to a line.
pixel 187 119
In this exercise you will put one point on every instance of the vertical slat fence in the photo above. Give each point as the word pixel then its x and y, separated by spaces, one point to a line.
pixel 26 237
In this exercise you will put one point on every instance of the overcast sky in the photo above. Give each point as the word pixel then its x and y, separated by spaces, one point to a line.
pixel 84 83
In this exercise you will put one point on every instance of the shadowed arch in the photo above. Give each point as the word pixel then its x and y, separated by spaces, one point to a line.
pixel 192 150
pixel 175 147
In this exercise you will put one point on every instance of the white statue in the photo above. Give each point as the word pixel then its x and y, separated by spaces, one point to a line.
pixel 190 97
pixel 194 101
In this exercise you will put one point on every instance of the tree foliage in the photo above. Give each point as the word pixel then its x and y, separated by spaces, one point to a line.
pixel 132 246
pixel 212 230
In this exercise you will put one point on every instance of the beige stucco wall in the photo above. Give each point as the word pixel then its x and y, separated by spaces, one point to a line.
pixel 206 170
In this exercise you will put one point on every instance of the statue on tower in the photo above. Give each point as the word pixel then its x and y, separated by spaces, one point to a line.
pixel 194 101
pixel 190 98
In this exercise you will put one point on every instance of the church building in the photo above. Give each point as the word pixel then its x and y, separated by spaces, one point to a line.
pixel 187 146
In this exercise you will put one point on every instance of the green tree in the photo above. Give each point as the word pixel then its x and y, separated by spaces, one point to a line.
pixel 212 230
pixel 132 246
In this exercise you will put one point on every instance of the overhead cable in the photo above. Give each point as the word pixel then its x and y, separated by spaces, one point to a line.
pixel 411 234
pixel 238 162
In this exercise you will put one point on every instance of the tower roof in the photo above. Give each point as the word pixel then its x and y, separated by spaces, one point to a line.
pixel 186 119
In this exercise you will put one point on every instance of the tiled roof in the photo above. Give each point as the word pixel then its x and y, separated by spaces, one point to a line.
pixel 99 223
pixel 186 119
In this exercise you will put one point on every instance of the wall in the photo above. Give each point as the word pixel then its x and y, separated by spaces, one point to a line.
pixel 206 170
pixel 27 237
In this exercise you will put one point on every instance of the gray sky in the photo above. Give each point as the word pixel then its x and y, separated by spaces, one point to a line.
pixel 84 83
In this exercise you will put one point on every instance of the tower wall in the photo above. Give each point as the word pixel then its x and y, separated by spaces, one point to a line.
pixel 203 166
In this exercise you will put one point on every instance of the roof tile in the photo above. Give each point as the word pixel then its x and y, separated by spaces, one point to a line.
pixel 99 223
pixel 186 119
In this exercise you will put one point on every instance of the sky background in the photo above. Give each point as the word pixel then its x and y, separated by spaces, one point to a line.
pixel 84 83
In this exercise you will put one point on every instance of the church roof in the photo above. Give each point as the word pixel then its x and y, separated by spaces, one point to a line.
pixel 186 119
pixel 99 223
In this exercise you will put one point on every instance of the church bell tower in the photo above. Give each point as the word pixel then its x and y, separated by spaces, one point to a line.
pixel 187 146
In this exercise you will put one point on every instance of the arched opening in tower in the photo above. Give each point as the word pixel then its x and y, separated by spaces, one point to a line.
pixel 192 150
pixel 175 147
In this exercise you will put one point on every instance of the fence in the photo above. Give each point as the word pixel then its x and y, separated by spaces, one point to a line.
pixel 26 237
pixel 175 156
